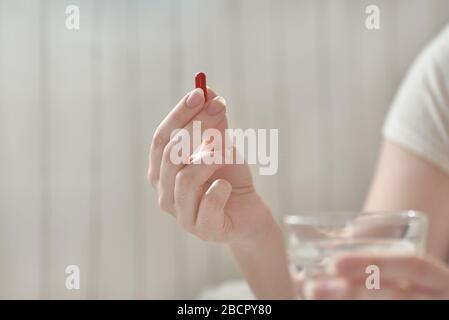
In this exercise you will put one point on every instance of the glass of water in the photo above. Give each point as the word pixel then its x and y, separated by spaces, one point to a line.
pixel 314 238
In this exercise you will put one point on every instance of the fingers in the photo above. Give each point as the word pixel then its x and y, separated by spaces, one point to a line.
pixel 342 289
pixel 181 114
pixel 325 289
pixel 189 189
pixel 211 117
pixel 400 277
pixel 210 94
pixel 184 188
pixel 412 270
pixel 212 223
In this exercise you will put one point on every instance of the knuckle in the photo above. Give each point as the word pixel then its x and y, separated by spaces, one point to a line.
pixel 209 234
pixel 152 177
pixel 166 156
pixel 204 235
pixel 164 204
pixel 186 225
pixel 184 179
pixel 158 139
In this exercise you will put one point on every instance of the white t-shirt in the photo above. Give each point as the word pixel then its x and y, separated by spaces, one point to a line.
pixel 419 117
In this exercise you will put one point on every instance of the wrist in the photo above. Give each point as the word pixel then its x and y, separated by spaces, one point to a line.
pixel 267 234
pixel 263 262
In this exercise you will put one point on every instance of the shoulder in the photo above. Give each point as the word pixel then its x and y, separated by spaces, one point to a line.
pixel 435 56
pixel 419 116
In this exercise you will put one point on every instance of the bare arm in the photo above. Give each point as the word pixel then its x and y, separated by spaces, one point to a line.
pixel 263 262
pixel 404 180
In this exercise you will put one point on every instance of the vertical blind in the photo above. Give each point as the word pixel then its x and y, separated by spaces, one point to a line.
pixel 78 109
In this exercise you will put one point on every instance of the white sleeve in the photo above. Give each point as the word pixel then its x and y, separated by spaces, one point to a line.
pixel 419 116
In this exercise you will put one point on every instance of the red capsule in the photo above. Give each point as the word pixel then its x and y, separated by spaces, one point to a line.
pixel 200 82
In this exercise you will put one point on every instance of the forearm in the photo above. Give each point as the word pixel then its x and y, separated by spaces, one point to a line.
pixel 263 262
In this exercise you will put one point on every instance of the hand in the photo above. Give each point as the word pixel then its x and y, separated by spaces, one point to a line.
pixel 401 277
pixel 216 202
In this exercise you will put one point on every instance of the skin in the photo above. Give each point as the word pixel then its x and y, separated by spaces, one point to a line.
pixel 417 184
pixel 402 278
pixel 219 203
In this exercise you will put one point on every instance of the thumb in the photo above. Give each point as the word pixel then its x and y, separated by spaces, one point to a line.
pixel 211 221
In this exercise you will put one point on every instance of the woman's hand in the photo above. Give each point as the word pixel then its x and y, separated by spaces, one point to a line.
pixel 401 277
pixel 216 202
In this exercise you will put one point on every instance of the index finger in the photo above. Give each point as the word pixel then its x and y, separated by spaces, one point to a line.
pixel 190 105
pixel 422 272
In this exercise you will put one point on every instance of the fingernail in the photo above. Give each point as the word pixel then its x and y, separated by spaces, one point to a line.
pixel 216 106
pixel 195 98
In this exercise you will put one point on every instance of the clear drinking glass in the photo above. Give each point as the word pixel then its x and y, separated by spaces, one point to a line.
pixel 313 238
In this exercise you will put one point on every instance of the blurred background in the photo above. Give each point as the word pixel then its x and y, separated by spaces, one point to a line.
pixel 78 109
